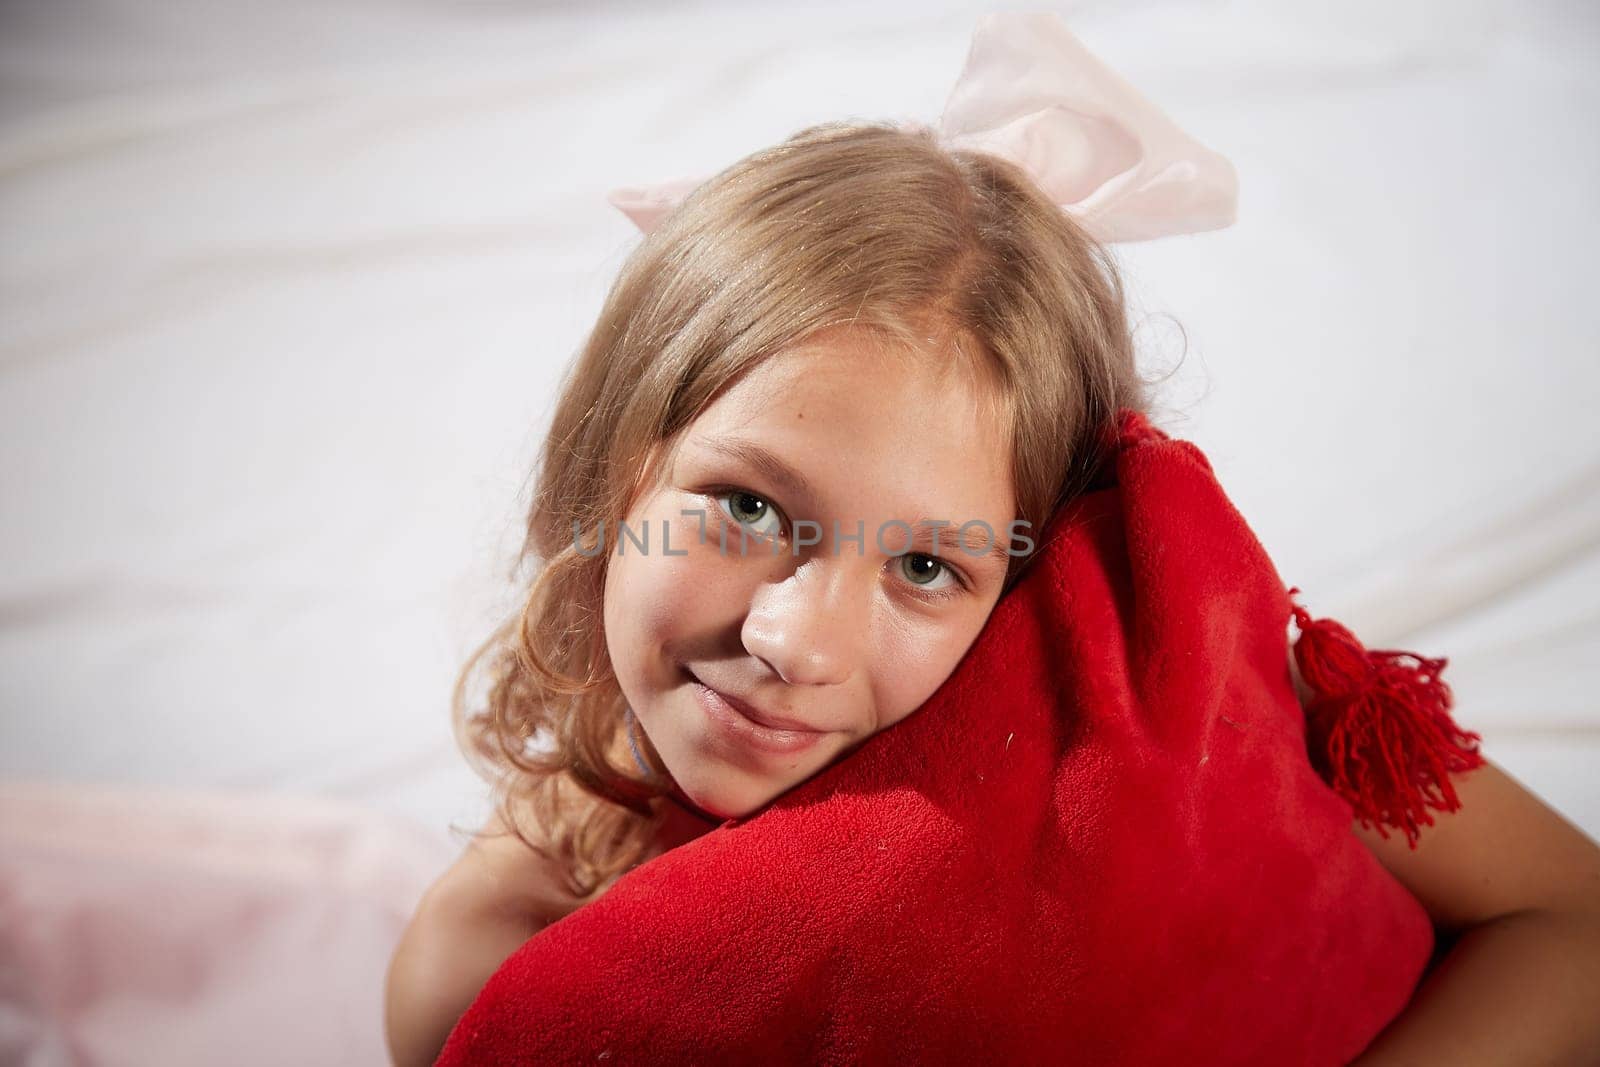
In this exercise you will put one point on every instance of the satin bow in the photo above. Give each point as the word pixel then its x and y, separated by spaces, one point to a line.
pixel 1032 93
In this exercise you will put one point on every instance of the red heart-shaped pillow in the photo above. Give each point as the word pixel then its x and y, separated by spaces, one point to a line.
pixel 1100 841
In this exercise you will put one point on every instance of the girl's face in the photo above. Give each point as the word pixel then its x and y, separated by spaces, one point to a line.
pixel 808 620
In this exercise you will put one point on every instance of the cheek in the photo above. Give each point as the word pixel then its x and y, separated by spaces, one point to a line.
pixel 912 665
pixel 678 603
pixel 641 613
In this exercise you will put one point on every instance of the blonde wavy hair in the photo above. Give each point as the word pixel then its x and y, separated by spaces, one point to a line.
pixel 870 224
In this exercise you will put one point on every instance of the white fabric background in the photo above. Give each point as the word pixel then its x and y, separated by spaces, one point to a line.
pixel 285 290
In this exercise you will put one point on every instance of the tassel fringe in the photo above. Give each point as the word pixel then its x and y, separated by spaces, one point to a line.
pixel 1378 728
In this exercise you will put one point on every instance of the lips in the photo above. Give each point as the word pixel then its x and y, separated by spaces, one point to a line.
pixel 733 724
pixel 756 715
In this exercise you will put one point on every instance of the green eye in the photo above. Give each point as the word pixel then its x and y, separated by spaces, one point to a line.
pixel 923 570
pixel 750 510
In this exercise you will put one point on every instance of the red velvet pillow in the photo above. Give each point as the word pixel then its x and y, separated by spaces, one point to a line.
pixel 1101 841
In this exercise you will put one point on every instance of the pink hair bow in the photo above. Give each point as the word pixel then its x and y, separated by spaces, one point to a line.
pixel 1032 93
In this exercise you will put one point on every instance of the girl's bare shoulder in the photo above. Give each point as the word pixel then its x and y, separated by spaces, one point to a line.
pixel 485 905
pixel 501 874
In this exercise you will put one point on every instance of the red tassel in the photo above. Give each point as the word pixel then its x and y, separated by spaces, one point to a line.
pixel 1378 728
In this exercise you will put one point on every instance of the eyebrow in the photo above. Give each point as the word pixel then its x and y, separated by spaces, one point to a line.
pixel 764 460
pixel 924 534
pixel 950 536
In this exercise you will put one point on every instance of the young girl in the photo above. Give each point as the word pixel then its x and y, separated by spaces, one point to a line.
pixel 856 327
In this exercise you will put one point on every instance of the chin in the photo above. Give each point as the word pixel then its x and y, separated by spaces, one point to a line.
pixel 725 800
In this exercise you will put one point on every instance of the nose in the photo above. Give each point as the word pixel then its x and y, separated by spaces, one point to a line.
pixel 808 626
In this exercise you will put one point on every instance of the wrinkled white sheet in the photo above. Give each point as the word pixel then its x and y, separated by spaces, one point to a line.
pixel 149 925
pixel 285 291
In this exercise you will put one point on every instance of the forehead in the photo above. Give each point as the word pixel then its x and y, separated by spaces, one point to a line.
pixel 870 423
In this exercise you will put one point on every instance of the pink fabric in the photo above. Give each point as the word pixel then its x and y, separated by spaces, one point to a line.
pixel 142 926
pixel 1032 93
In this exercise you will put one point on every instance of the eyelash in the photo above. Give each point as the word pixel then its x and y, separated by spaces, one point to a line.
pixel 729 522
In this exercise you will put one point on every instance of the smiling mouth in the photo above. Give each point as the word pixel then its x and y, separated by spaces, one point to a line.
pixel 734 717
pixel 754 714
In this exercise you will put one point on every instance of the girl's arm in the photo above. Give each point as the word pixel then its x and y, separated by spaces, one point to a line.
pixel 1519 886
